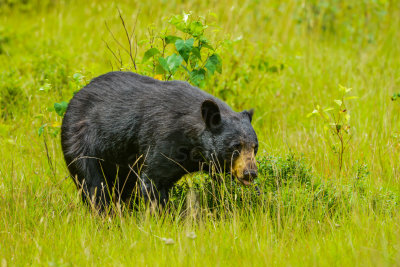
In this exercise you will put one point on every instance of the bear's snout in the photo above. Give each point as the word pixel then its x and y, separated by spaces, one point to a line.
pixel 244 167
pixel 250 174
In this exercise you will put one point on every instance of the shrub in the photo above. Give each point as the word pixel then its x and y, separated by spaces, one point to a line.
pixel 285 187
pixel 12 97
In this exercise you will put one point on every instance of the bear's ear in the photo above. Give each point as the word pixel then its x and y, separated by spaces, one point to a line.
pixel 249 113
pixel 210 114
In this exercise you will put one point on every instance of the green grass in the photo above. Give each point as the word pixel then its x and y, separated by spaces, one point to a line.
pixel 309 212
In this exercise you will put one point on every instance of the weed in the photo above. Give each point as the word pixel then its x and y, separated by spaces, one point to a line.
pixel 337 122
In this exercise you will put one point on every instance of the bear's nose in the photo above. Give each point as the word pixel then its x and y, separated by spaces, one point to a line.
pixel 250 174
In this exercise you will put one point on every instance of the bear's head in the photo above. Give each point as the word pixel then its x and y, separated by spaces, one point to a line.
pixel 230 141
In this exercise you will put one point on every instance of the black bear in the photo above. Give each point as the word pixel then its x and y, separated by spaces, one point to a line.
pixel 123 130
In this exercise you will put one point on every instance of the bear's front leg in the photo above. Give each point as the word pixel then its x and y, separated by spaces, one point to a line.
pixel 149 192
pixel 147 188
pixel 153 193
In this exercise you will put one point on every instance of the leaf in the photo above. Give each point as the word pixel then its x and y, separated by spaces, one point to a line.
pixel 163 63
pixel 273 69
pixel 213 63
pixel 41 129
pixel 210 66
pixel 338 102
pixel 77 76
pixel 179 22
pixel 150 53
pixel 141 42
pixel 314 112
pixel 171 39
pixel 55 132
pixel 213 14
pixel 160 70
pixel 184 47
pixel 174 61
pixel 196 52
pixel 196 28
pixel 328 109
pixel 61 107
pixel 197 77
pixel 174 20
pixel 205 43
pixel 344 89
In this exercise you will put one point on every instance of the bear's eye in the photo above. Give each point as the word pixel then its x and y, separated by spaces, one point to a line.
pixel 236 147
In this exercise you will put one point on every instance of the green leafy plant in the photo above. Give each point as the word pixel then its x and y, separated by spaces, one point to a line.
pixel 49 121
pixel 12 97
pixel 53 126
pixel 192 54
pixel 396 96
pixel 185 55
pixel 336 121
pixel 224 192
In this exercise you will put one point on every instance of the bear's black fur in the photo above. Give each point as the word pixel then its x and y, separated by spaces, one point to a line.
pixel 123 128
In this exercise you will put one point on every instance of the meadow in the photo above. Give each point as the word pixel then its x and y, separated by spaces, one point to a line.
pixel 329 169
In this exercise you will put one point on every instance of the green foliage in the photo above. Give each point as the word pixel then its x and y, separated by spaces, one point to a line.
pixel 60 108
pixel 4 39
pixel 277 172
pixel 395 96
pixel 48 121
pixel 12 96
pixel 150 53
pixel 337 122
pixel 171 63
pixel 51 72
pixel 286 180
pixel 190 57
pixel 184 48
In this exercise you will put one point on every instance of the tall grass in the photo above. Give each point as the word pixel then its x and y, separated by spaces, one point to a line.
pixel 284 57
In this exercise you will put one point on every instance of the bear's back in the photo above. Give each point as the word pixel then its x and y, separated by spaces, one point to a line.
pixel 120 87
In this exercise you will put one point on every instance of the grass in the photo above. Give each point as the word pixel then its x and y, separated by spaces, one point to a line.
pixel 309 213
